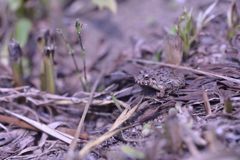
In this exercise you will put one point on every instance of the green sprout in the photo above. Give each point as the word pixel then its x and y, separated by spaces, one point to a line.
pixel 233 21
pixel 15 59
pixel 49 69
pixel 189 29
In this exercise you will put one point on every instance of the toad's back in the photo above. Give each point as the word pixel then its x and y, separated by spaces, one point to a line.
pixel 163 79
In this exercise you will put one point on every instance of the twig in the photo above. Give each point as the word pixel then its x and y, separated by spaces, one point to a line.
pixel 187 68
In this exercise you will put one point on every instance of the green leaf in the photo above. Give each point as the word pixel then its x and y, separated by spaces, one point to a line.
pixel 22 30
pixel 132 152
pixel 189 22
pixel 110 4
pixel 173 30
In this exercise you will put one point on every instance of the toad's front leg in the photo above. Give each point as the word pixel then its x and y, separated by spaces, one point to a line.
pixel 162 91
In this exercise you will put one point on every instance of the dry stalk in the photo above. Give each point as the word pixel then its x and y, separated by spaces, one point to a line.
pixel 173 49
pixel 125 115
pixel 74 141
pixel 101 139
pixel 206 102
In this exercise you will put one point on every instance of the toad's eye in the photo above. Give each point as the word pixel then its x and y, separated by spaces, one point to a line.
pixel 146 77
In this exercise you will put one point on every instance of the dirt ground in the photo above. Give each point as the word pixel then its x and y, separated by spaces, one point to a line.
pixel 118 117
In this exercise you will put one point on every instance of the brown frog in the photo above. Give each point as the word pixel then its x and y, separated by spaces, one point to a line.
pixel 166 80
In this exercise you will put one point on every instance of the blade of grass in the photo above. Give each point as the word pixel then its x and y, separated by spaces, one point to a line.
pixel 116 102
pixel 201 20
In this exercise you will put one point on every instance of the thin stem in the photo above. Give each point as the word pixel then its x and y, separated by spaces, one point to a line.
pixel 71 52
pixel 79 26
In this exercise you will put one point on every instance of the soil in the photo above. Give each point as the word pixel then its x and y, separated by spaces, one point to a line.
pixel 124 120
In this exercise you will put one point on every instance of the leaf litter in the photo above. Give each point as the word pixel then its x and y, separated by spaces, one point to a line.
pixel 199 121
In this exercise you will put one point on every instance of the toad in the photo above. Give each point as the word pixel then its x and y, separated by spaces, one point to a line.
pixel 166 80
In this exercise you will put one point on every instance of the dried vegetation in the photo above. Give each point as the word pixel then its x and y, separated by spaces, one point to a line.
pixel 119 119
